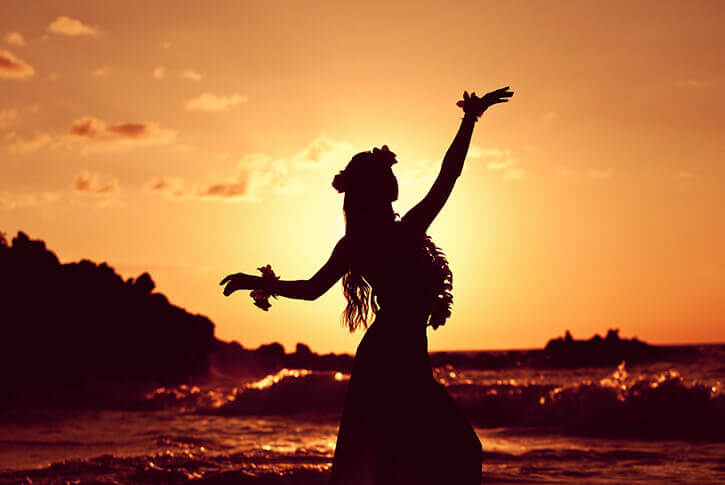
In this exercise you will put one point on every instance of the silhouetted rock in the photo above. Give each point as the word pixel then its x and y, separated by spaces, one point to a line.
pixel 65 325
pixel 144 283
pixel 611 350
pixel 303 351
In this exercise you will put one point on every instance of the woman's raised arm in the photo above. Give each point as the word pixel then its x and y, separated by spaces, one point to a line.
pixel 423 214
pixel 309 289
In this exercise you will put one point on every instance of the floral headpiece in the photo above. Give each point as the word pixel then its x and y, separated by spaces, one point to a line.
pixel 341 182
pixel 385 154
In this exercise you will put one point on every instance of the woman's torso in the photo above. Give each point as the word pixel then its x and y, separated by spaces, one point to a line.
pixel 398 268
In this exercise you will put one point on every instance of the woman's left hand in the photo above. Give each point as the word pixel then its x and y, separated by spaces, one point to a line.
pixel 476 106
pixel 239 281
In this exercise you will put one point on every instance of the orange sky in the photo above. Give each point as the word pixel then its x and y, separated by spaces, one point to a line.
pixel 195 139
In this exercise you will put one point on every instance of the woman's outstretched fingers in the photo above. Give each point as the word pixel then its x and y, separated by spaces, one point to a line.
pixel 231 286
pixel 239 281
pixel 473 104
pixel 501 93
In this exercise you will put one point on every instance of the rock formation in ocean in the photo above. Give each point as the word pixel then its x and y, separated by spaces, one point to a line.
pixel 610 350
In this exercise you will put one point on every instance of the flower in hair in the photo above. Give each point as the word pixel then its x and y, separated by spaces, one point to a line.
pixel 385 154
pixel 340 182
pixel 261 295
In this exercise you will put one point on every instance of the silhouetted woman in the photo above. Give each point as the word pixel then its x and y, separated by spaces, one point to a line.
pixel 399 426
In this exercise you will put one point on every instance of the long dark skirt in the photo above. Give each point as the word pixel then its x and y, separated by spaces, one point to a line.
pixel 399 426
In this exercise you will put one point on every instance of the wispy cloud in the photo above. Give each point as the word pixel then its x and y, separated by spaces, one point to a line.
pixel 14 38
pixel 256 173
pixel 95 135
pixel 289 185
pixel 88 183
pixel 499 161
pixel 496 159
pixel 415 173
pixel 71 27
pixel 23 146
pixel 159 72
pixel 234 188
pixel 101 71
pixel 13 68
pixel 211 102
pixel 10 200
pixel 513 174
pixel 321 153
pixel 501 164
pixel 169 186
pixel 191 75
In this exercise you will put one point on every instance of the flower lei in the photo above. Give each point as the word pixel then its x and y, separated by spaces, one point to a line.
pixel 261 295
pixel 443 284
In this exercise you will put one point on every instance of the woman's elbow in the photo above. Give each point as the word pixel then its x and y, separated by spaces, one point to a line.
pixel 311 294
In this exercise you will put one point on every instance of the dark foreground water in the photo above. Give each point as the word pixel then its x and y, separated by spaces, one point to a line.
pixel 654 423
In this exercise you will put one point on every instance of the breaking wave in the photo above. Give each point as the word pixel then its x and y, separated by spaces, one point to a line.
pixel 657 406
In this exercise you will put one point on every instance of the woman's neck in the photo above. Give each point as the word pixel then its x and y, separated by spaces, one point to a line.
pixel 367 223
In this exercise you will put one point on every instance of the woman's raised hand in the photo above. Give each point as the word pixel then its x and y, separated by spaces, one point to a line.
pixel 239 281
pixel 473 105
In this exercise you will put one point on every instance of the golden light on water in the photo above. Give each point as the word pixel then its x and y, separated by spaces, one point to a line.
pixel 273 379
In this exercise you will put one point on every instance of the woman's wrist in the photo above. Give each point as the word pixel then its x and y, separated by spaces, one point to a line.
pixel 266 284
pixel 470 117
pixel 269 281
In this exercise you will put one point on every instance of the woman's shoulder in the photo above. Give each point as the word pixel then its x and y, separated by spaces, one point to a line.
pixel 342 249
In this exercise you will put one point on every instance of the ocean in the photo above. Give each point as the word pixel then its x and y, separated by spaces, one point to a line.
pixel 661 422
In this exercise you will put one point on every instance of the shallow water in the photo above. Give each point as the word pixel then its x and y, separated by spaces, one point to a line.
pixel 658 423
pixel 161 447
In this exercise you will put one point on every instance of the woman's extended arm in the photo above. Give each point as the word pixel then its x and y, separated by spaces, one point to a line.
pixel 309 289
pixel 422 215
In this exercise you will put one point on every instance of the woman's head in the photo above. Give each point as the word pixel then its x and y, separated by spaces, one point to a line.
pixel 368 182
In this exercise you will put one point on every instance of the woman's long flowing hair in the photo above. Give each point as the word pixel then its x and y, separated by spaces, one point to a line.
pixel 375 198
pixel 361 301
